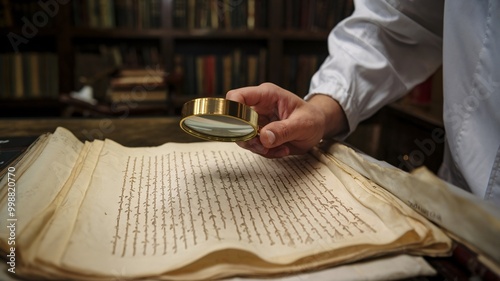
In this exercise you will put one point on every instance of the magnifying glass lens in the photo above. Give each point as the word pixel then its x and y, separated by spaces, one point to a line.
pixel 220 126
pixel 219 119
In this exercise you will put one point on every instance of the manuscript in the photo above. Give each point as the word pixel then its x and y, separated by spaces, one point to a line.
pixel 101 211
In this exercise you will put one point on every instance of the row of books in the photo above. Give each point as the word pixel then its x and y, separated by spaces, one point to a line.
pixel 214 75
pixel 220 14
pixel 125 55
pixel 29 76
pixel 138 86
pixel 190 14
pixel 95 63
pixel 315 14
pixel 298 71
pixel 117 13
pixel 19 12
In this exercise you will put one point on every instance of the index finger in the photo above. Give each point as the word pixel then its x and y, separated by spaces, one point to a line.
pixel 254 95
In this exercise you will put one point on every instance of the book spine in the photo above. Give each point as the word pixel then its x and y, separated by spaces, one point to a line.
pixel 236 71
pixel 3 89
pixel 302 75
pixel 262 66
pixel 180 14
pixel 251 15
pixel 55 76
pixel 214 14
pixel 112 13
pixel 261 14
pixel 253 61
pixel 103 13
pixel 146 8
pixel 42 70
pixel 227 64
pixel 227 14
pixel 136 21
pixel 190 75
pixel 199 76
pixel 155 21
pixel 27 74
pixel 313 14
pixel 219 70
pixel 209 76
pixel 35 77
pixel 18 76
pixel 191 14
pixel 6 14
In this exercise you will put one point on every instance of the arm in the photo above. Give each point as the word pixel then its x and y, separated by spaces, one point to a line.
pixel 376 56
pixel 380 53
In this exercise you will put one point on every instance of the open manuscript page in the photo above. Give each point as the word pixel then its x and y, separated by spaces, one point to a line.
pixel 212 210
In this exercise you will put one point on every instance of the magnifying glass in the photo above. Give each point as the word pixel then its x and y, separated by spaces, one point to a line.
pixel 218 119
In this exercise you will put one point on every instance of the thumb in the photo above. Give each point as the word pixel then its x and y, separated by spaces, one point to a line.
pixel 279 132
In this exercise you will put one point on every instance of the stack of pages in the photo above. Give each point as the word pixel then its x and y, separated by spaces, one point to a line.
pixel 197 211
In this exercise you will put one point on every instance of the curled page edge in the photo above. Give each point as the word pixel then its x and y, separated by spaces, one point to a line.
pixel 437 200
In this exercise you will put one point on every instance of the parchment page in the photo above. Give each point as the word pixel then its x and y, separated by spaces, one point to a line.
pixel 435 199
pixel 53 240
pixel 151 210
pixel 35 193
pixel 433 240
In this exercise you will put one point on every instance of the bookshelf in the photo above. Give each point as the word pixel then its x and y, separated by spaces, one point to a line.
pixel 214 44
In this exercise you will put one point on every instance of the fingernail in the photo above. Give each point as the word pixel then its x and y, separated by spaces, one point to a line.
pixel 271 137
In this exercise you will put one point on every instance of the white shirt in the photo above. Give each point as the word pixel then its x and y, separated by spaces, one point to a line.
pixel 387 47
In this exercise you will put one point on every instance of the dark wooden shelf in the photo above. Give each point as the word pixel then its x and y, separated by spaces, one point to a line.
pixel 125 33
pixel 47 31
pixel 304 35
pixel 30 107
pixel 210 34
pixel 431 114
pixel 66 40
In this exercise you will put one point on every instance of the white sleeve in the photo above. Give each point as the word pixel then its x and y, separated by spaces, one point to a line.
pixel 379 53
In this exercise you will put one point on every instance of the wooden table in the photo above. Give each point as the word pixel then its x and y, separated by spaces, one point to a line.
pixel 151 131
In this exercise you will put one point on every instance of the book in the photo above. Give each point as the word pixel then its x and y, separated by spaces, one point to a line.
pixel 28 76
pixel 18 75
pixel 196 211
pixel 215 73
pixel 141 14
pixel 134 99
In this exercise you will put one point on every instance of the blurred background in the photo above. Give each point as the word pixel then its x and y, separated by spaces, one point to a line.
pixel 145 58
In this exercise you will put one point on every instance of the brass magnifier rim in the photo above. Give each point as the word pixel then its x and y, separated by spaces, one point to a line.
pixel 221 107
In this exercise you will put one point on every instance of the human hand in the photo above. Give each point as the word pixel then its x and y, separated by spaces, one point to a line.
pixel 289 125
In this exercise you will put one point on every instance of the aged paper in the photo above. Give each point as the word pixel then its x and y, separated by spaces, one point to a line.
pixel 438 201
pixel 398 267
pixel 196 211
pixel 184 202
pixel 45 182
pixel 52 240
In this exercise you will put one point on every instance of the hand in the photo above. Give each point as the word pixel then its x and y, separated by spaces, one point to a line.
pixel 289 125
